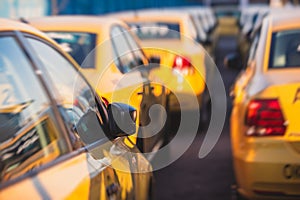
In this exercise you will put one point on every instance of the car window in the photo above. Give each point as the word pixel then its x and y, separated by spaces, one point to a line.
pixel 74 94
pixel 285 49
pixel 135 48
pixel 28 133
pixel 123 54
pixel 155 30
pixel 77 44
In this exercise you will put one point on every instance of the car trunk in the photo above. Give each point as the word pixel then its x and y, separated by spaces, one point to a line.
pixel 289 97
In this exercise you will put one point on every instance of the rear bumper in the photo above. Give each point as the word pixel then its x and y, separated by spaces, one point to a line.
pixel 269 173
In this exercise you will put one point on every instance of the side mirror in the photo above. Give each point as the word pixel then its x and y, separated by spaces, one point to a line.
pixel 89 128
pixel 154 60
pixel 233 61
pixel 122 119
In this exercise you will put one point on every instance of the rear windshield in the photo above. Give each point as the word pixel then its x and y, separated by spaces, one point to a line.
pixel 77 44
pixel 285 49
pixel 155 30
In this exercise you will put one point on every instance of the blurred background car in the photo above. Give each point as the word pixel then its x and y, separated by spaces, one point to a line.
pixel 172 35
pixel 113 62
pixel 264 122
pixel 56 134
pixel 204 22
pixel 250 20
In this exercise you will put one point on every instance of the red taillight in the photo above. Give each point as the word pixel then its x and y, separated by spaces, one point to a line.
pixel 105 101
pixel 182 65
pixel 76 102
pixel 264 118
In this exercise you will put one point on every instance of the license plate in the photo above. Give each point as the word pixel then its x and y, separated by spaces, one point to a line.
pixel 291 171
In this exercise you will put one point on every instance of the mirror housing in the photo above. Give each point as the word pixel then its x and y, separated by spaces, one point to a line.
pixel 122 118
pixel 233 61
pixel 89 128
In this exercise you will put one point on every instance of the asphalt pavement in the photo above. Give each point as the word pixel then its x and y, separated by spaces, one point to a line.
pixel 209 178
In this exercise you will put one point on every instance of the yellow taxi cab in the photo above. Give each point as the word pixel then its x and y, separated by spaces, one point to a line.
pixel 265 128
pixel 172 35
pixel 114 64
pixel 57 139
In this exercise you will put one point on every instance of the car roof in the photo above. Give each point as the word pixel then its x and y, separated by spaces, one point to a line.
pixel 14 25
pixel 281 19
pixel 78 22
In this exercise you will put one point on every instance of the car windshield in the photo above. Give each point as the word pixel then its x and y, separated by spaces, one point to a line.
pixel 285 49
pixel 155 30
pixel 77 44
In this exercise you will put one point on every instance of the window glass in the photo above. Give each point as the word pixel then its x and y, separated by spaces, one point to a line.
pixel 285 49
pixel 135 48
pixel 155 30
pixel 28 134
pixel 77 44
pixel 123 54
pixel 75 96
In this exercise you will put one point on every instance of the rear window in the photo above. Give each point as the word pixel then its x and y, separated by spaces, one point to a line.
pixel 156 30
pixel 285 49
pixel 77 44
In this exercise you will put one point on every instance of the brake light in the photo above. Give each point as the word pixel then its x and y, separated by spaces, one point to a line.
pixel 105 101
pixel 182 65
pixel 264 118
pixel 76 102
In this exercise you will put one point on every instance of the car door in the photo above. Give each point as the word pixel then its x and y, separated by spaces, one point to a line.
pixel 36 155
pixel 87 169
pixel 29 135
